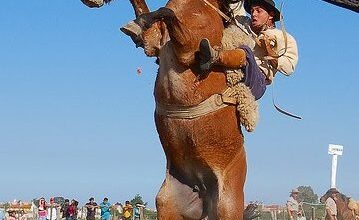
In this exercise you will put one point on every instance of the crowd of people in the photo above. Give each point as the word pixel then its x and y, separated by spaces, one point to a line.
pixel 69 210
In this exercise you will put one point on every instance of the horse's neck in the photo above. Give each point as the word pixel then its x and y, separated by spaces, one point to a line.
pixel 238 9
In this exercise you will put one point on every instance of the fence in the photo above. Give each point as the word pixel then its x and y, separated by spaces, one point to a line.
pixel 310 212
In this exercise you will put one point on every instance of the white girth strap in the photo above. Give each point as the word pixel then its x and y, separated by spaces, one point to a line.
pixel 212 104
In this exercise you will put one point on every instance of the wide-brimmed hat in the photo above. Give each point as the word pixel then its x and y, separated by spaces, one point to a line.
pixel 268 4
pixel 294 191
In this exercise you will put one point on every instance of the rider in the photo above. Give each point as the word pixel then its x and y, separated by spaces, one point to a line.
pixel 275 50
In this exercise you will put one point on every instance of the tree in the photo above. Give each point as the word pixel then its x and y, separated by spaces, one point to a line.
pixel 306 194
pixel 137 199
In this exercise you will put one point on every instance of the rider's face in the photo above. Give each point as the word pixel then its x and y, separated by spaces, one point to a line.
pixel 260 16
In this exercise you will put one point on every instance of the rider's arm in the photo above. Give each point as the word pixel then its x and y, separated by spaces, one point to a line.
pixel 289 60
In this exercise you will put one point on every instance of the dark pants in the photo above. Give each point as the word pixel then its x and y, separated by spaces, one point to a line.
pixel 254 77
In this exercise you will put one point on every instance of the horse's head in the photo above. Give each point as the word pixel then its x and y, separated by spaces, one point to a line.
pixel 95 3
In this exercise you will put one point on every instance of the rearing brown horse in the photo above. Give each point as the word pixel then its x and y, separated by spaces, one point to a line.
pixel 206 159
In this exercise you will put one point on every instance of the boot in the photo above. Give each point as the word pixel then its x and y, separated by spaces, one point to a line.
pixel 208 55
pixel 231 59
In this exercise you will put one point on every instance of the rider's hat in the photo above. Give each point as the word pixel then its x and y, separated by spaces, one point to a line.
pixel 295 190
pixel 269 5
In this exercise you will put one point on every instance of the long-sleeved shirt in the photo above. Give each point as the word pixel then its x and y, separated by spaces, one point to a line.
pixel 286 63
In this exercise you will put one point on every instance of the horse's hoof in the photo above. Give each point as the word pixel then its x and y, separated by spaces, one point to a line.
pixel 133 30
pixel 93 3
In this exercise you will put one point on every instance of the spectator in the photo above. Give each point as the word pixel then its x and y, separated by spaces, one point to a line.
pixel 127 211
pixel 2 214
pixel 118 211
pixel 105 209
pixel 64 209
pixel 138 211
pixel 91 209
pixel 42 211
pixel 12 215
pixel 293 204
pixel 52 210
pixel 72 211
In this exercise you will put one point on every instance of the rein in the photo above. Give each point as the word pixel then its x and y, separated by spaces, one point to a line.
pixel 223 15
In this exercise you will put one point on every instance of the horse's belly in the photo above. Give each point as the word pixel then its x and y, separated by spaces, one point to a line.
pixel 209 142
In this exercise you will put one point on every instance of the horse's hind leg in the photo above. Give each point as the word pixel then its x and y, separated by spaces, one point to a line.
pixel 230 189
pixel 177 201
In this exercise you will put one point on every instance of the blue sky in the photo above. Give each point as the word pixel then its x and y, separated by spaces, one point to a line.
pixel 76 120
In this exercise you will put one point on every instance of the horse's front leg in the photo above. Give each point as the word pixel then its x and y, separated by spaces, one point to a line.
pixel 140 7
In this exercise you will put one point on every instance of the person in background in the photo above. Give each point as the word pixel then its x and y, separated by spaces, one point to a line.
pixel 105 209
pixel 118 211
pixel 293 204
pixel 127 211
pixel 91 207
pixel 2 214
pixel 138 211
pixel 64 209
pixel 72 211
pixel 52 210
pixel 331 208
pixel 12 215
pixel 42 211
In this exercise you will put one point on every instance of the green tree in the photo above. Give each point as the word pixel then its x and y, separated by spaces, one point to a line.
pixel 306 194
pixel 138 199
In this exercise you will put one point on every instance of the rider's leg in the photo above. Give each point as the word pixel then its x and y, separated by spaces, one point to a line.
pixel 231 59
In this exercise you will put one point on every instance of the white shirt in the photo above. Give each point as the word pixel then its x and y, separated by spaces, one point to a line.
pixel 331 205
pixel 286 63
pixel 293 205
pixel 53 214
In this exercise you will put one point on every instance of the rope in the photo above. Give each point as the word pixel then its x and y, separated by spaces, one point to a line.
pixel 279 109
pixel 218 11
pixel 313 204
